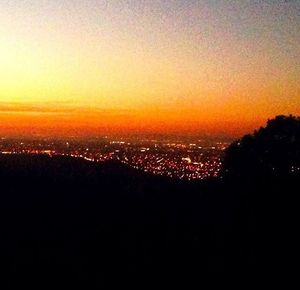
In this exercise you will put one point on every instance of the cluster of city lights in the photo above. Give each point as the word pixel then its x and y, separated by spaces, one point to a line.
pixel 175 160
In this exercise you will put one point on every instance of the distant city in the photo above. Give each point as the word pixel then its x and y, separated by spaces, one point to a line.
pixel 188 159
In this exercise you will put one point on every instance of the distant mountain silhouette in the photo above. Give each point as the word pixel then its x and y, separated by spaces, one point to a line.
pixel 69 222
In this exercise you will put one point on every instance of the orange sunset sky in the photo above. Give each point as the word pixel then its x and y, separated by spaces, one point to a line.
pixel 92 67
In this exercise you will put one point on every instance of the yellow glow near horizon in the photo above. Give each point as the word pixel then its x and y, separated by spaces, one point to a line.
pixel 169 67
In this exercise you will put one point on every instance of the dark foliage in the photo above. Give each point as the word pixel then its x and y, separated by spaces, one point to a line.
pixel 68 222
pixel 271 152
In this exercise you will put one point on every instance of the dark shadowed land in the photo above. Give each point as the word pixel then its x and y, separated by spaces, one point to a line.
pixel 69 222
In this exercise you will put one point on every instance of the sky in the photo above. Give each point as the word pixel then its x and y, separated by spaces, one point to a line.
pixel 176 66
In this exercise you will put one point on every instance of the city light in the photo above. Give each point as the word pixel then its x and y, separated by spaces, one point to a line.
pixel 180 160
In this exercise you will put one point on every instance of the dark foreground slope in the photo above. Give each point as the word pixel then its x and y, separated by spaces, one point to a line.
pixel 69 222
pixel 77 222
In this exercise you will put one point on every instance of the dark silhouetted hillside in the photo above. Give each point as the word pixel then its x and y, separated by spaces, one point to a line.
pixel 262 170
pixel 271 152
pixel 70 222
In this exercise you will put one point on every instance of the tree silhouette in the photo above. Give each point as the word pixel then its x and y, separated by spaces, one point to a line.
pixel 270 152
